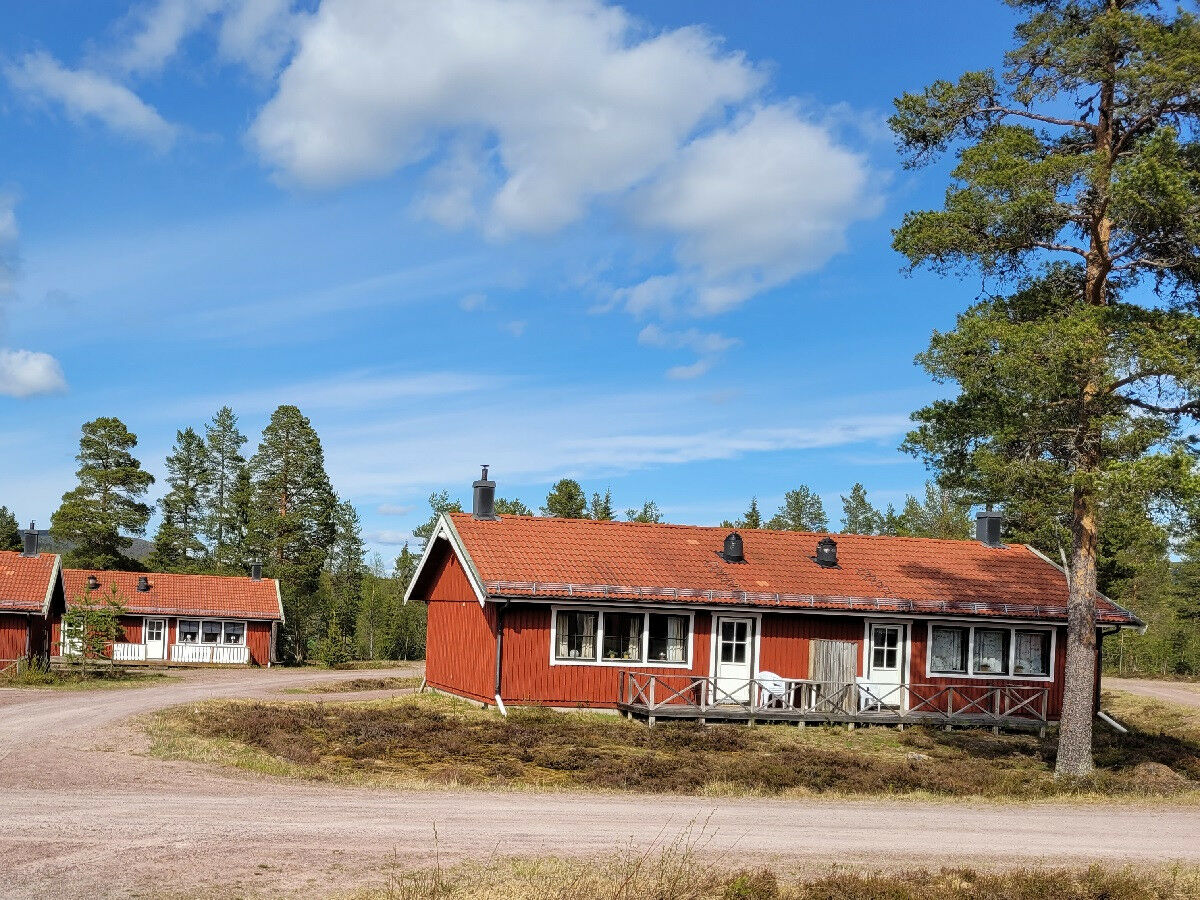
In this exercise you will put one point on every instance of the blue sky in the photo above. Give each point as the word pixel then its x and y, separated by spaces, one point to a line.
pixel 646 246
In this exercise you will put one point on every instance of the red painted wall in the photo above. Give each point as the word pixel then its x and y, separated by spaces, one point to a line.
pixel 258 636
pixel 530 678
pixel 460 650
pixel 786 640
pixel 14 637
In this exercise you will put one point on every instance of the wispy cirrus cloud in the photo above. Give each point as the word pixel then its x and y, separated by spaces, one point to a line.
pixel 89 95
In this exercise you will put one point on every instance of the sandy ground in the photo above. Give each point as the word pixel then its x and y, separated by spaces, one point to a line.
pixel 1181 693
pixel 85 812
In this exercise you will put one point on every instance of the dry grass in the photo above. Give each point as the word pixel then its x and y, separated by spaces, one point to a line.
pixel 685 869
pixel 431 740
pixel 357 685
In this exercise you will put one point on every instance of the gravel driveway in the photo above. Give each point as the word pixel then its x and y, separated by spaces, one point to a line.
pixel 1181 693
pixel 86 813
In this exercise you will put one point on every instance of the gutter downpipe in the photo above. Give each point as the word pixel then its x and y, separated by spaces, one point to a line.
pixel 500 654
pixel 1101 714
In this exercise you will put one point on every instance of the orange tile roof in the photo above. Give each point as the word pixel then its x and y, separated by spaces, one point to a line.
pixel 25 581
pixel 534 556
pixel 183 595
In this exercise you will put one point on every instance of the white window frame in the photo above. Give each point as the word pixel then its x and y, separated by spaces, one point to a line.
pixel 971 674
pixel 220 642
pixel 645 612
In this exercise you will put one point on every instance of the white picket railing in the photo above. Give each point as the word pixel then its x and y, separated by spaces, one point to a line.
pixel 129 653
pixel 228 654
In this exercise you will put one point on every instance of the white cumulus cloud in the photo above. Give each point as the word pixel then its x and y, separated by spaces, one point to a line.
pixel 752 206
pixel 25 373
pixel 85 94
pixel 573 98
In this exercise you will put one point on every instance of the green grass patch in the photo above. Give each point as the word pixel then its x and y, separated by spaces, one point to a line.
pixel 100 678
pixel 433 740
pixel 357 685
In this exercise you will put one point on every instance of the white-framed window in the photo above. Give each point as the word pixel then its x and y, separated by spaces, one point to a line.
pixel 211 631
pixel 991 651
pixel 620 636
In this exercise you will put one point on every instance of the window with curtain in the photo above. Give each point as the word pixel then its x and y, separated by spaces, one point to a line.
pixel 991 651
pixel 576 635
pixel 1032 653
pixel 211 632
pixel 189 631
pixel 235 633
pixel 948 650
pixel 668 638
pixel 623 636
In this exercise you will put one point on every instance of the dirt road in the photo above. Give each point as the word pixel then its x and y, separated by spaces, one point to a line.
pixel 1181 693
pixel 84 812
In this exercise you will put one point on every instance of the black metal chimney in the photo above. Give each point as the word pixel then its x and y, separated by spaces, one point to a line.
pixel 826 553
pixel 483 503
pixel 987 527
pixel 143 584
pixel 30 541
pixel 255 570
pixel 734 551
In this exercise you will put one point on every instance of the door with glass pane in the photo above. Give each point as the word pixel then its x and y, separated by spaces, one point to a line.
pixel 156 643
pixel 735 660
pixel 885 666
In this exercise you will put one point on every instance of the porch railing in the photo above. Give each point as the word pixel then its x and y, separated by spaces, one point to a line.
pixel 757 697
pixel 129 652
pixel 230 654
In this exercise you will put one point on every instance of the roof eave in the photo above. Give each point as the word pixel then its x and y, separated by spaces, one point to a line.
pixel 444 529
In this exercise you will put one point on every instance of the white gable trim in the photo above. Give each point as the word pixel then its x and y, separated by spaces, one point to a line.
pixel 279 597
pixel 445 530
pixel 55 576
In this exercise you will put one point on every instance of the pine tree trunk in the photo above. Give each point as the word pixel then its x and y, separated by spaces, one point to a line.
pixel 1075 723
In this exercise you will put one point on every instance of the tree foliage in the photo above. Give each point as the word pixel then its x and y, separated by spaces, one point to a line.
pixel 10 532
pixel 566 500
pixel 178 546
pixel 648 514
pixel 97 517
pixel 226 521
pixel 858 515
pixel 505 507
pixel 1078 175
pixel 802 510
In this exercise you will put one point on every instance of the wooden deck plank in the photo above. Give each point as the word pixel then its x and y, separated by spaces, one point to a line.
pixel 731 713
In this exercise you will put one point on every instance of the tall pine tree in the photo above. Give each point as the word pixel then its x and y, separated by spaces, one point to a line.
pixel 566 500
pixel 858 515
pixel 10 533
pixel 1078 170
pixel 292 521
pixel 346 567
pixel 802 510
pixel 97 516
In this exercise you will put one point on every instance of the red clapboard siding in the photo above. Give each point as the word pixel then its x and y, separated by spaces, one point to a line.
pixel 918 674
pixel 258 639
pixel 460 653
pixel 787 640
pixel 530 678
pixel 14 637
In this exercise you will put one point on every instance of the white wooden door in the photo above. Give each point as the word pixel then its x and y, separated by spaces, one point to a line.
pixel 885 666
pixel 156 639
pixel 735 659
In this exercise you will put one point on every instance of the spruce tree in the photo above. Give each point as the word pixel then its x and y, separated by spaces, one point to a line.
pixel 292 521
pixel 858 515
pixel 944 514
pixel 97 515
pixel 601 508
pixel 439 503
pixel 1078 172
pixel 346 567
pixel 177 544
pixel 566 500
pixel 10 533
pixel 802 510
pixel 225 513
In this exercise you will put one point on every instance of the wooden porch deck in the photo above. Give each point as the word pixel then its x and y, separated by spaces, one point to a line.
pixel 802 702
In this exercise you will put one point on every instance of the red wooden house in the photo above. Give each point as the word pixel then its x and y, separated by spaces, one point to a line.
pixel 183 619
pixel 31 592
pixel 683 620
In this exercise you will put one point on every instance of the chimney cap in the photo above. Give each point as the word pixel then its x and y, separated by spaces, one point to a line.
pixel 143 583
pixel 256 570
pixel 92 582
pixel 734 549
pixel 483 499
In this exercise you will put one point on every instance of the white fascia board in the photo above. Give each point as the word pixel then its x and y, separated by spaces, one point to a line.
pixel 445 530
pixel 1141 629
pixel 279 597
pixel 55 577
